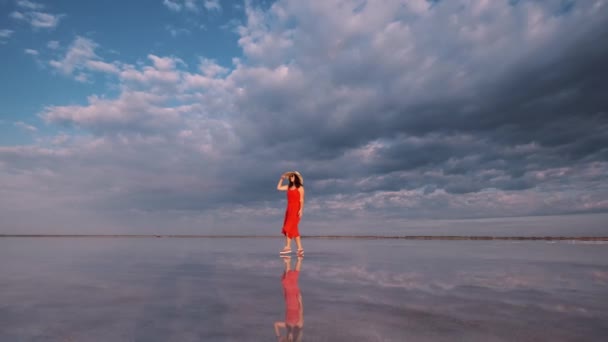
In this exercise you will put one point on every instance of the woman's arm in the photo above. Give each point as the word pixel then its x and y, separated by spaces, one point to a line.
pixel 301 201
pixel 280 186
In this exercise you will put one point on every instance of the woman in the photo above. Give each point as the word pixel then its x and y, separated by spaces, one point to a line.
pixel 294 309
pixel 295 205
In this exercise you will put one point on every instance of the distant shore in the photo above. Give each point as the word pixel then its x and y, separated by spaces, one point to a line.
pixel 362 237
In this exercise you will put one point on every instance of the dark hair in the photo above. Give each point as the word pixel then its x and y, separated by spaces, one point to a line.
pixel 296 181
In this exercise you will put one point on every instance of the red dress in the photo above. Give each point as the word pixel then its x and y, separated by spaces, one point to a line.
pixel 291 292
pixel 290 224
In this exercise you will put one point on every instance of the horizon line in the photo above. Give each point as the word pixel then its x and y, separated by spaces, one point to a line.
pixel 362 237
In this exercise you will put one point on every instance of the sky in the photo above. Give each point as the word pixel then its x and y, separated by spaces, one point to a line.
pixel 179 116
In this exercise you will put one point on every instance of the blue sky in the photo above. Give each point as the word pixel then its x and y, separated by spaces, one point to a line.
pixel 179 115
pixel 125 31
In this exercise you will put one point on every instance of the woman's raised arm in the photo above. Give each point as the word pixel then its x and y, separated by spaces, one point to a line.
pixel 280 186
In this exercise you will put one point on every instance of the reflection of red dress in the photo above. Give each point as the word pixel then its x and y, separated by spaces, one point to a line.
pixel 290 225
pixel 291 291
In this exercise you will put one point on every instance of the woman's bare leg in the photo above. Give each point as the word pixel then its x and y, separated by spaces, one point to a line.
pixel 287 262
pixel 287 242
pixel 298 242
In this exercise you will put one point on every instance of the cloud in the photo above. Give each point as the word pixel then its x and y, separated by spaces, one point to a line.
pixel 388 66
pixel 213 5
pixel 177 31
pixel 192 5
pixel 147 91
pixel 392 111
pixel 231 25
pixel 82 78
pixel 133 110
pixel 161 76
pixel 80 51
pixel 102 67
pixel 37 19
pixel 211 69
pixel 81 58
pixel 25 126
pixel 44 20
pixel 5 34
pixel 178 5
pixel 29 5
pixel 53 45
pixel 17 15
pixel 172 5
pixel 31 52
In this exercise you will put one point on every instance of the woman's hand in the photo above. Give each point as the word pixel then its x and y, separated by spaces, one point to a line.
pixel 300 213
pixel 280 185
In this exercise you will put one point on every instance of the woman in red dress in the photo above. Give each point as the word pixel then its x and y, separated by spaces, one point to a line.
pixel 294 310
pixel 295 205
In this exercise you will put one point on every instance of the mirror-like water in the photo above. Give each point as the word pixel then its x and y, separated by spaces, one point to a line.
pixel 147 289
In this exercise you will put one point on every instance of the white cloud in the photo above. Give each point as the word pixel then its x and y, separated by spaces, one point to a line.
pixel 82 78
pixel 154 98
pixel 210 68
pixel 81 51
pixel 213 5
pixel 44 20
pixel 131 111
pixel 163 76
pixel 30 12
pixel 192 5
pixel 25 126
pixel 231 25
pixel 102 67
pixel 174 31
pixel 165 63
pixel 17 15
pixel 29 5
pixel 172 5
pixel 53 45
pixel 260 41
pixel 80 58
pixel 5 33
pixel 39 19
pixel 31 52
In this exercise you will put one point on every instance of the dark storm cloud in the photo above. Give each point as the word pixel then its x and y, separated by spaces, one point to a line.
pixel 551 96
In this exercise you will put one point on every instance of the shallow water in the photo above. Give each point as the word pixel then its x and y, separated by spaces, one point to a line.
pixel 178 289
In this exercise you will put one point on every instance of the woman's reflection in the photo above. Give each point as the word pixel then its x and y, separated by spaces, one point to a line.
pixel 294 311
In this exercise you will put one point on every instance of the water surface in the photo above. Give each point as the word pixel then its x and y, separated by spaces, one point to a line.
pixel 151 289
